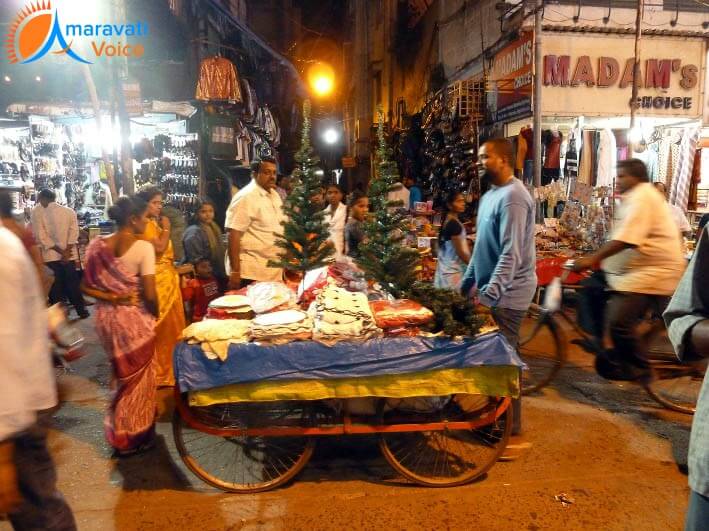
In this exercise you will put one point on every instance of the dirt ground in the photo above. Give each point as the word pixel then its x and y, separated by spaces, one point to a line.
pixel 608 447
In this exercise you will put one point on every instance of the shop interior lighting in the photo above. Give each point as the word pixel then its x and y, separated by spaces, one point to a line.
pixel 7 79
pixel 331 136
pixel 38 79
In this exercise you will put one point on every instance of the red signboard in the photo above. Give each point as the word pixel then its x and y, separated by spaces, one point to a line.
pixel 511 77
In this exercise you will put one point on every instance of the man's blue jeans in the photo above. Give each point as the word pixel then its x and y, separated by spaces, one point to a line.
pixel 697 513
pixel 510 322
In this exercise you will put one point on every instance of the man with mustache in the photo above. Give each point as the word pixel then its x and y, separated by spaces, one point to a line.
pixel 253 222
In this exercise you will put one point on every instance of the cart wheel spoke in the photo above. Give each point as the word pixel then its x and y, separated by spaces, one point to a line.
pixel 236 462
pixel 448 457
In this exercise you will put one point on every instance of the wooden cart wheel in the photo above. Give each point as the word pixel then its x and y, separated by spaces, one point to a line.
pixel 235 462
pixel 448 458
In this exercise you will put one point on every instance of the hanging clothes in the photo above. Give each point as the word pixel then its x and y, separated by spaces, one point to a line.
pixel 695 180
pixel 649 157
pixel 571 166
pixel 218 80
pixel 552 149
pixel 685 164
pixel 586 158
pixel 663 160
pixel 521 153
pixel 607 153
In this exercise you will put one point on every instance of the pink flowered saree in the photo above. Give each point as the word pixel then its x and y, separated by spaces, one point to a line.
pixel 128 337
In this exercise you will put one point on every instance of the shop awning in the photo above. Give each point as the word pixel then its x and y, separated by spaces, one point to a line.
pixel 249 33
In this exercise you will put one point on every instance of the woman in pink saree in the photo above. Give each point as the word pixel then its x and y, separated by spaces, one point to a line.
pixel 120 275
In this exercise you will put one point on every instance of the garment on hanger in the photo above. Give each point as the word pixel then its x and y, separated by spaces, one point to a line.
pixel 528 134
pixel 694 181
pixel 250 100
pixel 649 157
pixel 521 152
pixel 552 149
pixel 586 158
pixel 605 176
pixel 218 80
pixel 663 159
pixel 571 166
pixel 679 194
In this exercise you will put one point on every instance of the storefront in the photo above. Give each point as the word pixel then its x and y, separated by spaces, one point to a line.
pixel 587 85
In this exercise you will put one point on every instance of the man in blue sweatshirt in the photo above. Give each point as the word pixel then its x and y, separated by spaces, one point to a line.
pixel 502 271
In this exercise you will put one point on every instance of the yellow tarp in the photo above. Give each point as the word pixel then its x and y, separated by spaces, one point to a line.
pixel 491 380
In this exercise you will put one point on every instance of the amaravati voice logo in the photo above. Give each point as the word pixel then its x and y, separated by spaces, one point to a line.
pixel 34 32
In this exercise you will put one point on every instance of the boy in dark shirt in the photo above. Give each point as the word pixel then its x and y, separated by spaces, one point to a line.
pixel 198 292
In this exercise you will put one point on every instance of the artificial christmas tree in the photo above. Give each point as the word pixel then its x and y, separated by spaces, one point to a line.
pixel 305 234
pixel 385 259
pixel 382 255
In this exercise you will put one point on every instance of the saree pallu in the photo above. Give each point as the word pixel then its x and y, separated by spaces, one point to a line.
pixel 128 337
pixel 171 322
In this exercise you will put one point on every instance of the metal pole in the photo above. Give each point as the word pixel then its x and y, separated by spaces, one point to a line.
pixel 537 96
pixel 636 65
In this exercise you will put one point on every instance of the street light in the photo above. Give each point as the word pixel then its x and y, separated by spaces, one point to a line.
pixel 321 77
pixel 331 136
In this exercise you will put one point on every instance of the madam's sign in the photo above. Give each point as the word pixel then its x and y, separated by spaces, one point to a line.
pixel 594 76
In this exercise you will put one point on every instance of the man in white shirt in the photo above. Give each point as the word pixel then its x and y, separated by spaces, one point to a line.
pixel 253 222
pixel 678 216
pixel 27 386
pixel 56 230
pixel 642 263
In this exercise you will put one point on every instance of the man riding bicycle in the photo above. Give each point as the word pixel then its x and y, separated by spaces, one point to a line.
pixel 640 268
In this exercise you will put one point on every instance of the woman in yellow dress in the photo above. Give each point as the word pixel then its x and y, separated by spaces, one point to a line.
pixel 171 320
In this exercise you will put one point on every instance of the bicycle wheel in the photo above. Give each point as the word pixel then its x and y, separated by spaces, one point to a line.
pixel 447 458
pixel 673 384
pixel 241 463
pixel 542 348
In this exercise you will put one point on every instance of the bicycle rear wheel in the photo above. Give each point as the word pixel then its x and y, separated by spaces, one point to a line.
pixel 448 458
pixel 673 384
pixel 542 348
pixel 235 462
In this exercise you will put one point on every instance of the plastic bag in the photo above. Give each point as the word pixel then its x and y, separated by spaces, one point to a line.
pixel 266 296
pixel 552 295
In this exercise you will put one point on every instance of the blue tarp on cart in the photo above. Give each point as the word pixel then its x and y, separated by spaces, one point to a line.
pixel 309 360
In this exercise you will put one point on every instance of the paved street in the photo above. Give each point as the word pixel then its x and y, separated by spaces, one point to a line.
pixel 608 447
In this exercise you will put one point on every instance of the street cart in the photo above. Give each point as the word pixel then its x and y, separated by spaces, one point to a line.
pixel 440 406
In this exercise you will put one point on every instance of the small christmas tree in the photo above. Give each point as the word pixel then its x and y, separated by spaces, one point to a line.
pixel 382 255
pixel 305 234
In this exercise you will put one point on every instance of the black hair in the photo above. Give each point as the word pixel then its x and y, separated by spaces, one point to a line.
pixel 256 164
pixel 6 205
pixel 503 148
pixel 148 193
pixel 127 207
pixel 194 220
pixel 635 168
pixel 335 185
pixel 355 198
pixel 450 197
pixel 47 194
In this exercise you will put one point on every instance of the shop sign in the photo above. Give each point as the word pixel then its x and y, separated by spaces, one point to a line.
pixel 588 76
pixel 349 162
pixel 131 94
pixel 509 97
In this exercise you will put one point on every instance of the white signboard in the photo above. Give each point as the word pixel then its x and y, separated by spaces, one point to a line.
pixel 592 75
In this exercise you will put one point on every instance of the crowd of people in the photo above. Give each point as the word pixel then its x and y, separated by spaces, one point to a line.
pixel 140 300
